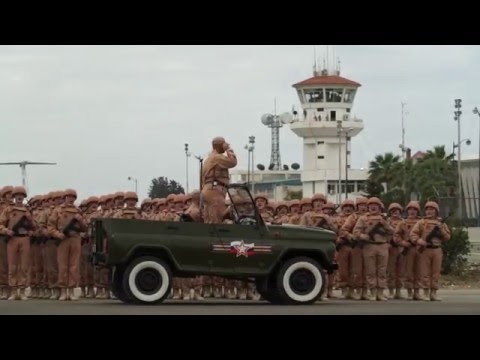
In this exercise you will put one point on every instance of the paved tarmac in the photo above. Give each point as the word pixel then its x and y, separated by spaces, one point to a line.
pixel 455 302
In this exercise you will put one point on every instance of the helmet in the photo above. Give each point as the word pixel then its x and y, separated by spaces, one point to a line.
pixel 19 190
pixel 187 197
pixel 394 206
pixel 6 190
pixel 195 195
pixel 171 198
pixel 261 196
pixel 70 192
pixel 375 200
pixel 218 140
pixel 305 201
pixel 146 201
pixel 118 195
pixel 293 203
pixel 319 196
pixel 348 202
pixel 432 204
pixel 329 205
pixel 179 198
pixel 92 200
pixel 130 195
pixel 361 201
pixel 413 204
pixel 161 201
pixel 57 194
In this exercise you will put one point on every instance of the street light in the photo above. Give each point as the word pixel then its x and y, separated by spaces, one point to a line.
pixel 250 147
pixel 458 113
pixel 339 131
pixel 347 138
pixel 475 111
pixel 187 155
pixel 135 180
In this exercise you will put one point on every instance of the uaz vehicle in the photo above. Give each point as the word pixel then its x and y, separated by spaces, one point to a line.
pixel 288 263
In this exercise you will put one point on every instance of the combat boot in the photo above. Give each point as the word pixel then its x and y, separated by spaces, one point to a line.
pixel 197 296
pixel 250 294
pixel 364 295
pixel 90 293
pixel 48 293
pixel 13 294
pixel 242 294
pixel 398 294
pixel 176 294
pixel 357 294
pixel 426 293
pixel 434 296
pixel 207 291
pixel 55 294
pixel 391 293
pixel 22 294
pixel 217 292
pixel 186 294
pixel 380 295
pixel 344 292
pixel 349 294
pixel 4 293
pixel 40 293
pixel 71 294
pixel 63 294
pixel 417 295
pixel 82 292
pixel 33 292
pixel 330 294
pixel 371 295
pixel 410 294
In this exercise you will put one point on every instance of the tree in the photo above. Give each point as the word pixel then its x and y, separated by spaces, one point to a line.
pixel 161 187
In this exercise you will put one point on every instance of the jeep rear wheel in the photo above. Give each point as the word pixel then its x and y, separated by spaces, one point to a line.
pixel 147 280
pixel 300 280
pixel 117 286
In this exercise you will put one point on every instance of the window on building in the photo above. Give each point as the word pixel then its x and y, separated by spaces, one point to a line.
pixel 334 95
pixel 349 96
pixel 320 142
pixel 320 157
pixel 332 189
pixel 351 187
pixel 333 115
pixel 314 95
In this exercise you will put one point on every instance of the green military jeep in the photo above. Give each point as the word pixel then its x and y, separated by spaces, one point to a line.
pixel 287 263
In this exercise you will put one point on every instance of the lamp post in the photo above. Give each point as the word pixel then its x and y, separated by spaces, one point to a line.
pixel 475 111
pixel 339 132
pixel 347 138
pixel 458 112
pixel 135 180
pixel 250 147
pixel 187 155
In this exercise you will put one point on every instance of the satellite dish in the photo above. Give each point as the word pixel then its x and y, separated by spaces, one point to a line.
pixel 286 118
pixel 285 167
pixel 271 167
pixel 267 119
pixel 295 166
pixel 260 167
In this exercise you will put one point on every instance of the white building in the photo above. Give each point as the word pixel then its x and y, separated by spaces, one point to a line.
pixel 470 186
pixel 326 126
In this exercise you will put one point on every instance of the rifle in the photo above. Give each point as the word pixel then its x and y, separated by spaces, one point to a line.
pixel 378 229
pixel 21 226
pixel 72 225
pixel 435 233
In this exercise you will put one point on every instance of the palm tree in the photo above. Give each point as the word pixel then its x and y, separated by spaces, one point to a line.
pixel 386 169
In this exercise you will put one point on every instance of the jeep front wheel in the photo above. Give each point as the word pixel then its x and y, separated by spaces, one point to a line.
pixel 300 280
pixel 147 280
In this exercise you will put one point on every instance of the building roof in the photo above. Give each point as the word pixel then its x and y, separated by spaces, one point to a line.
pixel 327 80
pixel 419 155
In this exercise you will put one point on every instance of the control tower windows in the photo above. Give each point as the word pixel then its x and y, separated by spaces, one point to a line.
pixel 334 95
pixel 314 95
pixel 349 95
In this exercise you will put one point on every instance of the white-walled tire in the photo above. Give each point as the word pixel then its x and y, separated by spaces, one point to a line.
pixel 300 280
pixel 147 280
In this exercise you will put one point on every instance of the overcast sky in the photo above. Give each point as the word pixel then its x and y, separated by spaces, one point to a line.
pixel 104 113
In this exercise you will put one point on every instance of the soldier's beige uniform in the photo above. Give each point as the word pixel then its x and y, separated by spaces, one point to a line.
pixel 69 248
pixel 281 213
pixel 18 246
pixel 215 178
pixel 358 269
pixel 146 208
pixel 328 210
pixel 396 260
pixel 36 268
pixel 430 254
pixel 375 250
pixel 50 250
pixel 5 200
pixel 294 212
pixel 403 231
pixel 87 280
pixel 345 252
